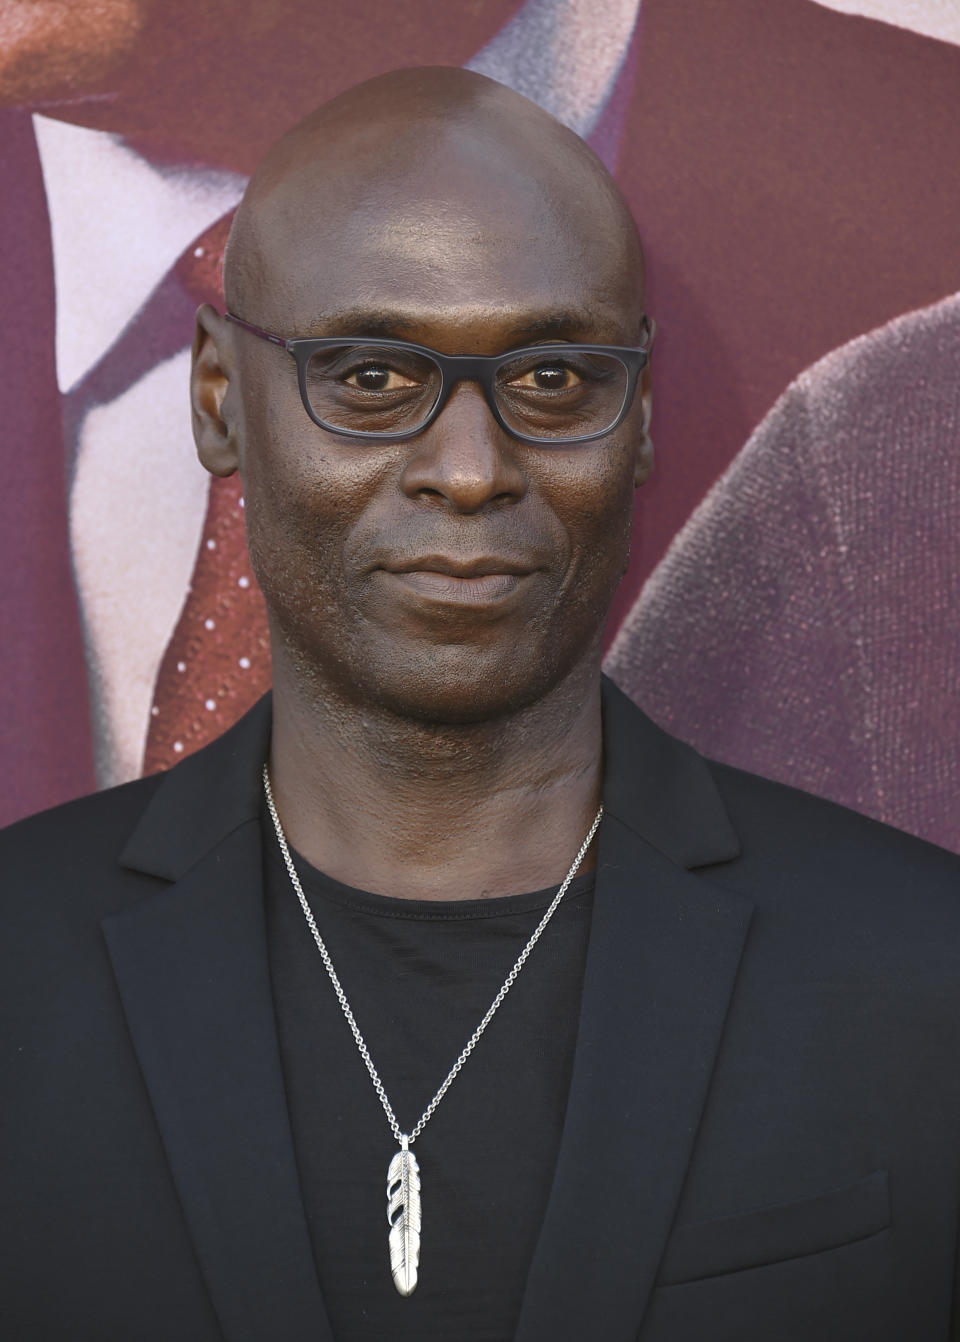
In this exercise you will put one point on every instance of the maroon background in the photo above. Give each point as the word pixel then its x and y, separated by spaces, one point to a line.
pixel 794 173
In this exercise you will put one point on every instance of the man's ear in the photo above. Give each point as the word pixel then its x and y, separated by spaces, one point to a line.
pixel 644 460
pixel 211 394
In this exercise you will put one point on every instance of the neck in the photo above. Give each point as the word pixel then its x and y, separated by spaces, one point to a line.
pixel 428 811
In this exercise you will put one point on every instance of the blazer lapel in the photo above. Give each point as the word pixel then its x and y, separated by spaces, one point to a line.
pixel 665 946
pixel 191 964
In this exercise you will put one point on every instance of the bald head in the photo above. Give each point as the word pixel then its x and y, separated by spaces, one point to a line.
pixel 423 173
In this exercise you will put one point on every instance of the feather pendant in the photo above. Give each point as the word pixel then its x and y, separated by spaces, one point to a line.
pixel 403 1214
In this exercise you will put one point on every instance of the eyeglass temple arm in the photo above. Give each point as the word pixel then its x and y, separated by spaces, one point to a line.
pixel 258 331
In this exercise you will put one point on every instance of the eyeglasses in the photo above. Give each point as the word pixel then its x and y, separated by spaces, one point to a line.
pixel 392 389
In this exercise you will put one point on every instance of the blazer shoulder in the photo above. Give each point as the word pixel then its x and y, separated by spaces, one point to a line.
pixel 805 831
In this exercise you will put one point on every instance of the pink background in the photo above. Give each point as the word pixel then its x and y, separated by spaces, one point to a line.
pixel 795 175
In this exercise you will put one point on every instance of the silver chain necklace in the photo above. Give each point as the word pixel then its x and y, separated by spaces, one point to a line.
pixel 403 1175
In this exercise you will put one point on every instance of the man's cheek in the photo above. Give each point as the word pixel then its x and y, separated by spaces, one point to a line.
pixel 605 550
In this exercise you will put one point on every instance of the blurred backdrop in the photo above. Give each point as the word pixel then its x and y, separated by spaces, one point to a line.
pixel 794 166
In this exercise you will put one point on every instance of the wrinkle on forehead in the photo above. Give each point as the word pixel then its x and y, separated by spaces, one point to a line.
pixel 432 169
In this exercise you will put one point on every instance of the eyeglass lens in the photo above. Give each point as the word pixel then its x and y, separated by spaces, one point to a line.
pixel 378 389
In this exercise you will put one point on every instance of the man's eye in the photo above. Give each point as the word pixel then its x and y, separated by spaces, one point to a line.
pixel 378 377
pixel 547 377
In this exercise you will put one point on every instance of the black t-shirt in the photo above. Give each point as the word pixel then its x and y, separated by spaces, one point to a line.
pixel 419 976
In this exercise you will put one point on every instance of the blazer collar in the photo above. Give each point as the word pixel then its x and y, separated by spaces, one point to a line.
pixel 201 801
pixel 661 788
pixel 656 785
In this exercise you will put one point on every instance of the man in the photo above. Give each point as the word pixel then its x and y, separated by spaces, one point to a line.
pixel 712 1094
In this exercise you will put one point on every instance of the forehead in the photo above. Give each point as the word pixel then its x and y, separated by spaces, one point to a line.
pixel 466 246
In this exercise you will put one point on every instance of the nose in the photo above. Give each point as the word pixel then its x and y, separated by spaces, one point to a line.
pixel 464 459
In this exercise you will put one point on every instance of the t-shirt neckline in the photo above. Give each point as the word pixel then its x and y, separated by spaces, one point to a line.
pixel 317 885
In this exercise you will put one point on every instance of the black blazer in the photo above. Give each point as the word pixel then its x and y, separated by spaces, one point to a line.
pixel 762 1141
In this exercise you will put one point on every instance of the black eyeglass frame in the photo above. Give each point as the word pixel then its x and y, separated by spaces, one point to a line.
pixel 454 368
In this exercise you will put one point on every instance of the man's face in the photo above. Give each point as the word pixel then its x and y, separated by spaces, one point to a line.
pixel 463 573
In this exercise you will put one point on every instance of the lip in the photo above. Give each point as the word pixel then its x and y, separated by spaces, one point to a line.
pixel 479 589
pixel 479 567
pixel 481 581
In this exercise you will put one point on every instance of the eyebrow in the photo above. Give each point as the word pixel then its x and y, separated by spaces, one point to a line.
pixel 558 326
pixel 573 324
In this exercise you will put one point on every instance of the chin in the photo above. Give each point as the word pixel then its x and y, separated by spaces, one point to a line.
pixel 454 707
pixel 462 690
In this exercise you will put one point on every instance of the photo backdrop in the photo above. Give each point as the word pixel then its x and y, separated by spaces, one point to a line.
pixel 795 171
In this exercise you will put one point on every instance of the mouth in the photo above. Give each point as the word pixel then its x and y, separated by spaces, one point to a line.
pixel 481 581
pixel 479 567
